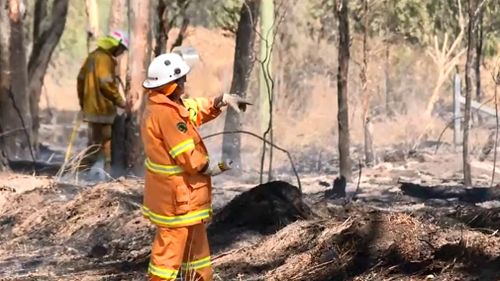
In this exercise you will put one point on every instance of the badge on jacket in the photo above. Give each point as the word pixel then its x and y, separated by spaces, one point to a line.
pixel 182 127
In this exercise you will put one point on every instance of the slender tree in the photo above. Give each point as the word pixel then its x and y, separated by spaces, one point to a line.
pixel 242 67
pixel 4 84
pixel 368 135
pixel 162 28
pixel 45 41
pixel 118 20
pixel 15 118
pixel 266 34
pixel 469 71
pixel 479 53
pixel 266 83
pixel 342 10
pixel 139 57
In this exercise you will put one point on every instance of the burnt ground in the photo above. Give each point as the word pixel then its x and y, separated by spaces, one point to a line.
pixel 54 231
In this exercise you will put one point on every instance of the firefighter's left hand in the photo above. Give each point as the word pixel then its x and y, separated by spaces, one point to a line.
pixel 216 168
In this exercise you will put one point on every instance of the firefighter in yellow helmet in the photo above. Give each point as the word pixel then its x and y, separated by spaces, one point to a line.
pixel 177 192
pixel 99 96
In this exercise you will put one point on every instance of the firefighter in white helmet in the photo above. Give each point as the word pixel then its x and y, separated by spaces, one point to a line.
pixel 177 193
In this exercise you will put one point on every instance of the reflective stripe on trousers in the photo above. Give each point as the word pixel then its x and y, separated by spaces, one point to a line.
pixel 198 264
pixel 162 272
pixel 176 221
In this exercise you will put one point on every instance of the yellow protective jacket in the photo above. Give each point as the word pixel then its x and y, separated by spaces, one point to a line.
pixel 176 193
pixel 97 89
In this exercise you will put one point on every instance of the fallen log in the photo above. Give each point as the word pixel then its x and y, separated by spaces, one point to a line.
pixel 462 193
pixel 38 168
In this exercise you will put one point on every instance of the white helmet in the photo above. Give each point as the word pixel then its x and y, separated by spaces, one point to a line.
pixel 121 36
pixel 165 69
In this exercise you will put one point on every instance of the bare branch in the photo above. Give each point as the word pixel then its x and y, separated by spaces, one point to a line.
pixel 461 22
pixel 267 142
pixel 3 134
pixel 182 33
pixel 479 8
pixel 444 59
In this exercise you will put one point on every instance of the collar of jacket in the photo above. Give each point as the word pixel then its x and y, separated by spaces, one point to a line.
pixel 157 97
pixel 99 49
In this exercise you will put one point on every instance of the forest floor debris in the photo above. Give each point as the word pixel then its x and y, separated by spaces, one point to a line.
pixel 55 231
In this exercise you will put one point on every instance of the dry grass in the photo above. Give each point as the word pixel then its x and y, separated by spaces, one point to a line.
pixel 369 245
pixel 305 93
pixel 73 167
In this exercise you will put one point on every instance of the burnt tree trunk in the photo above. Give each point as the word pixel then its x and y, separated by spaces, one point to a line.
pixel 462 193
pixel 117 17
pixel 139 57
pixel 182 32
pixel 44 44
pixel 342 98
pixel 4 55
pixel 242 67
pixel 469 71
pixel 15 120
pixel 162 29
pixel 368 136
pixel 40 13
pixel 183 5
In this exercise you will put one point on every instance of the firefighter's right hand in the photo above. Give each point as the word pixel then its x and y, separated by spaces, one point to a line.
pixel 215 168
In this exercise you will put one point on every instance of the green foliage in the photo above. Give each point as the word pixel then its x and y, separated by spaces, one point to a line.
pixel 226 14
pixel 71 49
pixel 414 21
pixel 491 25
pixel 321 19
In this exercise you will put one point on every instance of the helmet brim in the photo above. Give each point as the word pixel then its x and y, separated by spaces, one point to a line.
pixel 155 83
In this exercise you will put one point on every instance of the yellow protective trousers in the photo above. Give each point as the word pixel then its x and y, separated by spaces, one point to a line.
pixel 181 251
